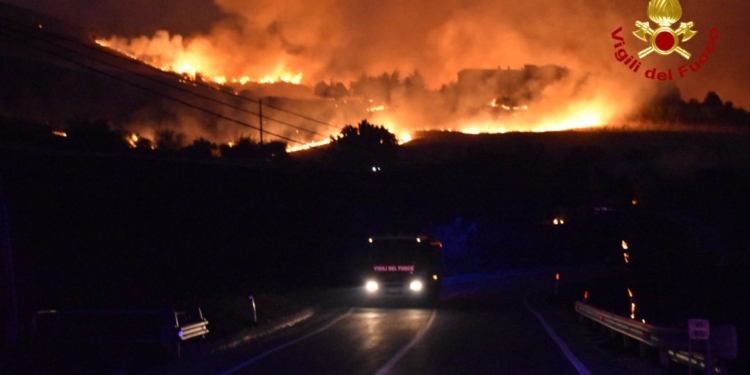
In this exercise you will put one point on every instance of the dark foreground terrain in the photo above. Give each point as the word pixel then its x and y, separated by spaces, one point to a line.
pixel 125 231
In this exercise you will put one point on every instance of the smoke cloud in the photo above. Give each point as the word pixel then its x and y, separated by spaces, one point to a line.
pixel 342 40
pixel 336 39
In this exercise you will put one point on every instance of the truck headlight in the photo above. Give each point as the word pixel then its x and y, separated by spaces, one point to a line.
pixel 371 286
pixel 416 285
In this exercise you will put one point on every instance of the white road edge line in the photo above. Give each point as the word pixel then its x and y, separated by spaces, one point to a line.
pixel 286 345
pixel 579 366
pixel 387 367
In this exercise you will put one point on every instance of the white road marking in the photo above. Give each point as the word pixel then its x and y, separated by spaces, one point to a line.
pixel 387 367
pixel 286 345
pixel 579 366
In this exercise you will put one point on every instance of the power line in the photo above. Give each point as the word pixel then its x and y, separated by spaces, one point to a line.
pixel 155 92
pixel 118 55
pixel 24 36
pixel 176 87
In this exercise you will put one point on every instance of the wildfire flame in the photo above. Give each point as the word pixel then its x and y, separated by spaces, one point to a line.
pixel 402 138
pixel 585 118
pixel 132 140
pixel 308 146
pixel 196 62
pixel 193 64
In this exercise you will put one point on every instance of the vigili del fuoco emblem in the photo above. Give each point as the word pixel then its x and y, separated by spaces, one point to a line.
pixel 664 40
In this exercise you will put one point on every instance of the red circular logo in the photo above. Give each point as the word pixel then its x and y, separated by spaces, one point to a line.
pixel 665 40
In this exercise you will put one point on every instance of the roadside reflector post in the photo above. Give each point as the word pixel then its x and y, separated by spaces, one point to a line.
pixel 557 284
pixel 255 312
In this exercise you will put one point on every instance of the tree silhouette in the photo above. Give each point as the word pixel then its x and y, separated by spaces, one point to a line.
pixel 275 150
pixel 170 141
pixel 712 100
pixel 22 132
pixel 95 136
pixel 143 144
pixel 244 148
pixel 200 149
pixel 364 144
pixel 334 90
pixel 247 149
pixel 377 89
pixel 670 107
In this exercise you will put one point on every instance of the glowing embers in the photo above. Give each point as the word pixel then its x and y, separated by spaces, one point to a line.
pixel 632 304
pixel 625 252
pixel 497 104
pixel 132 140
pixel 379 108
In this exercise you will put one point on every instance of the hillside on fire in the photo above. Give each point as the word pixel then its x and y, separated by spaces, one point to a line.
pixel 80 77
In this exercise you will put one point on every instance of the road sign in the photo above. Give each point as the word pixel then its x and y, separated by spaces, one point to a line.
pixel 698 329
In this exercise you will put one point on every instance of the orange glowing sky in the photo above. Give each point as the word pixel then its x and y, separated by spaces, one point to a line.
pixel 342 39
pixel 438 38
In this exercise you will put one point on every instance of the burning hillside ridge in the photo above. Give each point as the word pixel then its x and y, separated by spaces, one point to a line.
pixel 302 73
pixel 318 60
pixel 169 54
pixel 533 98
pixel 325 46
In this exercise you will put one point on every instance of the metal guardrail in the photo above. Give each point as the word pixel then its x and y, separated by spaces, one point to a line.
pixel 672 343
pixel 166 328
pixel 194 326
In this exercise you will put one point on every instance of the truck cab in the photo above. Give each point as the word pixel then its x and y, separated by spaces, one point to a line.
pixel 403 266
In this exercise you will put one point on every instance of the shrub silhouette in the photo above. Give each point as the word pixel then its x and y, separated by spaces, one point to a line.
pixel 364 145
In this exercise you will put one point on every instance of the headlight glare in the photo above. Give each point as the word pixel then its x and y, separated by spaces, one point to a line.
pixel 416 285
pixel 371 286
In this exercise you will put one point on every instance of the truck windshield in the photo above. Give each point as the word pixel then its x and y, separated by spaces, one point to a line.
pixel 398 251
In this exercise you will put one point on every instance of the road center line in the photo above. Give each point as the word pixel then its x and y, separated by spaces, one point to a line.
pixel 286 345
pixel 579 366
pixel 387 367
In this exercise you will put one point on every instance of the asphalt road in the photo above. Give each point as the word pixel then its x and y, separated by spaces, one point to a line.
pixel 479 327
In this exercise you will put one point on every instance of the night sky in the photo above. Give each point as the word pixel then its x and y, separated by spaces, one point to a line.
pixel 337 39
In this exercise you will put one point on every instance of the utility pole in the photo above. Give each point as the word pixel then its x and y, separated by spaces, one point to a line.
pixel 260 114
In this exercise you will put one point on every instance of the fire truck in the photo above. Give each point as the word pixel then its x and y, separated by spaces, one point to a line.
pixel 403 266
